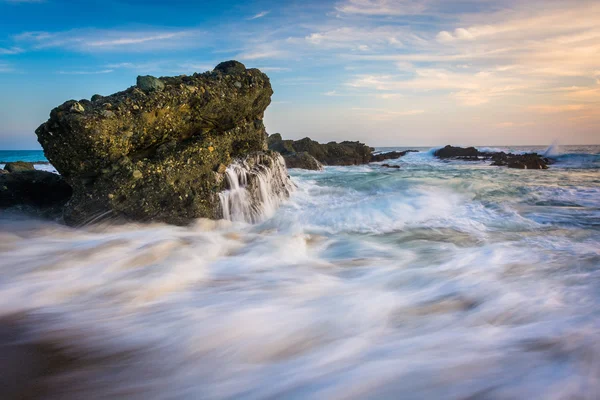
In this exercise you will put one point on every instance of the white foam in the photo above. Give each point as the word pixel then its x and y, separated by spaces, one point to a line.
pixel 436 280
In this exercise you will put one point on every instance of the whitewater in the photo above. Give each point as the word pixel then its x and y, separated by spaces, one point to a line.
pixel 437 280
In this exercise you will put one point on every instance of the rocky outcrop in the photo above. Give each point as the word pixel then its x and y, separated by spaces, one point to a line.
pixel 520 161
pixel 458 152
pixel 302 160
pixel 392 155
pixel 332 153
pixel 19 166
pixel 34 192
pixel 159 150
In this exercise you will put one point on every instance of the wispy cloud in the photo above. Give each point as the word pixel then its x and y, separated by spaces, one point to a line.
pixel 259 15
pixel 103 71
pixel 4 68
pixel 11 51
pixel 378 114
pixel 92 40
pixel 274 69
pixel 551 109
pixel 23 1
pixel 382 7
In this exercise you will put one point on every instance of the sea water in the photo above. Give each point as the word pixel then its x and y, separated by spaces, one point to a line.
pixel 437 280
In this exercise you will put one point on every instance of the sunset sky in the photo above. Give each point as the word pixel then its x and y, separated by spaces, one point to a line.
pixel 385 72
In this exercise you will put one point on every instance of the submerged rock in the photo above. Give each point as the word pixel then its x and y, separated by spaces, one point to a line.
pixel 302 160
pixel 520 161
pixel 38 192
pixel 160 154
pixel 18 166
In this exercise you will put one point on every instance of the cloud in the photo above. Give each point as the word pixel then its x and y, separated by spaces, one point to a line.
pixel 11 51
pixel 104 71
pixel 259 15
pixel 4 68
pixel 381 7
pixel 93 40
pixel 552 109
pixel 259 53
pixel 274 69
pixel 378 114
pixel 23 1
pixel 355 38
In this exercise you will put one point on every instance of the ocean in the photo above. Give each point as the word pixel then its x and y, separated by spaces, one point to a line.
pixel 437 280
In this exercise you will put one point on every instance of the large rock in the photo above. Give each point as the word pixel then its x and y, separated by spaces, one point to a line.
pixel 302 160
pixel 158 151
pixel 456 152
pixel 19 166
pixel 520 161
pixel 39 192
pixel 510 160
pixel 332 153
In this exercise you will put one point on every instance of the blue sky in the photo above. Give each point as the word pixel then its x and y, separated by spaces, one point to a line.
pixel 386 72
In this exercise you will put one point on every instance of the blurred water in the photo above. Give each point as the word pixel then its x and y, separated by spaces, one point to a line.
pixel 441 279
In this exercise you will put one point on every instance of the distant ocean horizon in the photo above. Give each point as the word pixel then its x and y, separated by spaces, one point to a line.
pixel 37 156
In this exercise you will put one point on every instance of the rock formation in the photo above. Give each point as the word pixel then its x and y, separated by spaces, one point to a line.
pixel 302 160
pixel 159 150
pixel 19 166
pixel 332 153
pixel 34 192
pixel 520 161
pixel 391 155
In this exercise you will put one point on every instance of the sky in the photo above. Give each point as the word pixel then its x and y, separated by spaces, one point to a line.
pixel 385 72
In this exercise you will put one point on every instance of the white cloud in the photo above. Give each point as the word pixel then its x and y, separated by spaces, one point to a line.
pixel 4 68
pixel 382 7
pixel 93 40
pixel 104 71
pixel 274 69
pixel 551 109
pixel 379 114
pixel 11 51
pixel 24 1
pixel 259 15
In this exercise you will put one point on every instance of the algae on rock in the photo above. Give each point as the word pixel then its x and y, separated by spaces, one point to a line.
pixel 158 151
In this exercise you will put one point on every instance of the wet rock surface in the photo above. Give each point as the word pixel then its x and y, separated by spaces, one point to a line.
pixel 392 155
pixel 34 192
pixel 517 161
pixel 157 151
pixel 302 160
pixel 332 153
pixel 18 166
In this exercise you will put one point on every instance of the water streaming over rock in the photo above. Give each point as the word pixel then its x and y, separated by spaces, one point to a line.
pixel 257 186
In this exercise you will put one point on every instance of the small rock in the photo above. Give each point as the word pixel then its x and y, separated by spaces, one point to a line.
pixel 77 107
pixel 108 114
pixel 137 174
pixel 238 84
pixel 221 168
pixel 19 166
